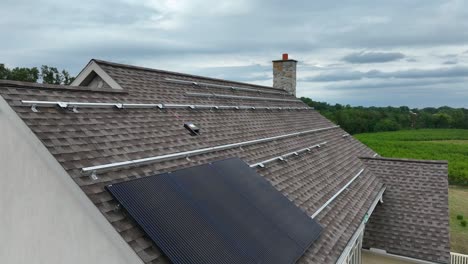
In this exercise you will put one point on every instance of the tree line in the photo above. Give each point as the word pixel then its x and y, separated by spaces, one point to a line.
pixel 361 119
pixel 45 74
pixel 352 119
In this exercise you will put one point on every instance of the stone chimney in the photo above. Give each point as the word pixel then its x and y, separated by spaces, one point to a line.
pixel 284 74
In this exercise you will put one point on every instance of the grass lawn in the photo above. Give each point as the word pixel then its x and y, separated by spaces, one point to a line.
pixel 435 144
pixel 458 202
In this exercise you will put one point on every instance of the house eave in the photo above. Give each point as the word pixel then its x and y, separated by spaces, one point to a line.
pixel 355 237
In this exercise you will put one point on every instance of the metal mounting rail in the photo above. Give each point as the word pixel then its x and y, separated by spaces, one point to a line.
pixel 75 105
pixel 283 157
pixel 336 194
pixel 226 96
pixel 224 86
pixel 94 169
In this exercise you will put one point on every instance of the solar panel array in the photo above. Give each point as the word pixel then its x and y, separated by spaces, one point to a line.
pixel 222 212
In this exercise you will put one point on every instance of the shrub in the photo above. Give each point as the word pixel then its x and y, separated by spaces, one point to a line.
pixel 459 217
pixel 463 223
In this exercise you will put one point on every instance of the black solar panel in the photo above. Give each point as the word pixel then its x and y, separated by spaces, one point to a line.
pixel 222 212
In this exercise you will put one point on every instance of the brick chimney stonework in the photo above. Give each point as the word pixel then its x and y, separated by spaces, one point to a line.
pixel 284 74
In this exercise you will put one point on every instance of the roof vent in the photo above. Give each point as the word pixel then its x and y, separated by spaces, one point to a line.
pixel 194 130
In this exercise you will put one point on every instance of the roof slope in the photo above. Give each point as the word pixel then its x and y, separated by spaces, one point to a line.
pixel 95 136
pixel 413 220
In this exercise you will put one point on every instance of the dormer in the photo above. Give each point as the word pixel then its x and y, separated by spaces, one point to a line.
pixel 93 76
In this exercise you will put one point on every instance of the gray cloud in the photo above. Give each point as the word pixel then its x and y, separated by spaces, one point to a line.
pixel 396 83
pixel 375 74
pixel 450 62
pixel 248 73
pixel 213 38
pixel 373 57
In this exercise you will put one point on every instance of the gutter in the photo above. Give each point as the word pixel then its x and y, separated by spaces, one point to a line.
pixel 355 237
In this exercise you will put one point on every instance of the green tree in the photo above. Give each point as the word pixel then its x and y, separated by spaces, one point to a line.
pixel 387 124
pixel 48 74
pixel 442 120
pixel 360 119
pixel 23 74
pixel 4 72
pixel 52 75
pixel 67 79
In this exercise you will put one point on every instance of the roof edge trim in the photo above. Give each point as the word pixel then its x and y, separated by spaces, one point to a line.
pixel 354 238
pixel 94 67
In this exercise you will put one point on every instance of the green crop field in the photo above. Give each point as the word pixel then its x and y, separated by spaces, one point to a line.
pixel 438 144
pixel 435 144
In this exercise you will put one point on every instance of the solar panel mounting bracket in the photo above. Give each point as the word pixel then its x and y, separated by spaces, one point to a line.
pixel 62 105
pixel 34 108
pixel 93 176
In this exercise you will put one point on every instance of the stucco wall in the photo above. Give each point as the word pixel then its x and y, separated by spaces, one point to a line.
pixel 44 216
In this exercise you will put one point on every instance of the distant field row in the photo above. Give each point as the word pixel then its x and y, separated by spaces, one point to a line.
pixel 434 144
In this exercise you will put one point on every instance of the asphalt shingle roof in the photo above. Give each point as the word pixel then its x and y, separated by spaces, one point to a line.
pixel 413 220
pixel 95 136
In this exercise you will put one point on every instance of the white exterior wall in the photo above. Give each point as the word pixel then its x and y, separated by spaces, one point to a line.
pixel 44 216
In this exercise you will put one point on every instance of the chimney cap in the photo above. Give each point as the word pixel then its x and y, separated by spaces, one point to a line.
pixel 285 57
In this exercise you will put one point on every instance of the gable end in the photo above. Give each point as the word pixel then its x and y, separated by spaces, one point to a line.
pixel 94 76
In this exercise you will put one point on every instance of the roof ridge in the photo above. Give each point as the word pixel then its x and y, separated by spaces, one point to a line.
pixel 33 84
pixel 407 160
pixel 28 85
pixel 116 64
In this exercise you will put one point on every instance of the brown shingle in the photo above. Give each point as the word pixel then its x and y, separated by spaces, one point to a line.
pixel 95 136
pixel 413 220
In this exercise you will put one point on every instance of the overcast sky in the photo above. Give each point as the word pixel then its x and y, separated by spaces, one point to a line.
pixel 364 52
